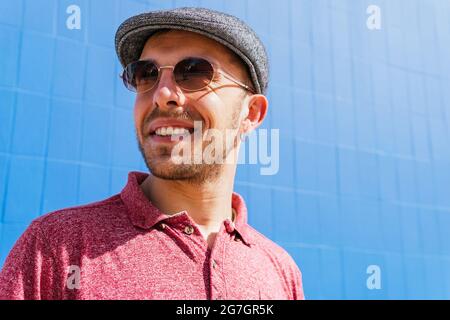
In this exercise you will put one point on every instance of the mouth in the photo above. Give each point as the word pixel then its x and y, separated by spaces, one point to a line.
pixel 171 133
pixel 166 130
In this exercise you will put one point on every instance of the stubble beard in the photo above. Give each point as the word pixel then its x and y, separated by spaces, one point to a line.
pixel 158 160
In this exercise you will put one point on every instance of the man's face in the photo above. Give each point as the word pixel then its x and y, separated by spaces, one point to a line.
pixel 218 106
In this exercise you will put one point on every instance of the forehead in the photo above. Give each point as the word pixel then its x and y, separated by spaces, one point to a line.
pixel 170 46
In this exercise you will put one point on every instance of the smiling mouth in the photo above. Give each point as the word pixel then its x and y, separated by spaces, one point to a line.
pixel 171 131
pixel 171 134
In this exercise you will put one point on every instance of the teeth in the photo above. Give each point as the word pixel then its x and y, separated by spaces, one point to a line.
pixel 167 131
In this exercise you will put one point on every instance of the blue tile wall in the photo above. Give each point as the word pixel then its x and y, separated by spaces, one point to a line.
pixel 364 120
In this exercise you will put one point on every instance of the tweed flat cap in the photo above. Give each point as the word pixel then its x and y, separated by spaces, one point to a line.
pixel 230 31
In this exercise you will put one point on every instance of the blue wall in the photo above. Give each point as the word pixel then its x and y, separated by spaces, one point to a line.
pixel 364 120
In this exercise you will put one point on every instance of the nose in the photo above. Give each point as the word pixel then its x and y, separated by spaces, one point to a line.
pixel 167 94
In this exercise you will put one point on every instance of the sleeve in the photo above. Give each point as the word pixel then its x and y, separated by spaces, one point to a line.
pixel 29 268
pixel 297 285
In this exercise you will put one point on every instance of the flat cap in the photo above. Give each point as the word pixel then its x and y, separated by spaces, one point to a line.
pixel 229 30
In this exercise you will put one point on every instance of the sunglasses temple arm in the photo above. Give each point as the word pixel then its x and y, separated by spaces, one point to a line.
pixel 237 82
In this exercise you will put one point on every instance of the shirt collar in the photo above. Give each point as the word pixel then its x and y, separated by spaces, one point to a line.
pixel 145 215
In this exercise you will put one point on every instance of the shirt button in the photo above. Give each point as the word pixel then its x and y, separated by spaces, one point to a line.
pixel 162 226
pixel 214 264
pixel 189 229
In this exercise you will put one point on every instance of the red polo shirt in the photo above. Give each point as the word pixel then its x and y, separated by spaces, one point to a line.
pixel 125 248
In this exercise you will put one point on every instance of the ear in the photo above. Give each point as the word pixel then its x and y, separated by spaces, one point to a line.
pixel 255 113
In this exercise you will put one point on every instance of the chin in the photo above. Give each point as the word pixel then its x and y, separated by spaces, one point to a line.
pixel 166 169
pixel 196 174
pixel 160 165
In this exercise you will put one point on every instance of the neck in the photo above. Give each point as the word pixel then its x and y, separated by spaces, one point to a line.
pixel 208 204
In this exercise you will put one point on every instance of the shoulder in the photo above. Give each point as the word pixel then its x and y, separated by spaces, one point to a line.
pixel 283 262
pixel 87 213
pixel 274 250
pixel 73 221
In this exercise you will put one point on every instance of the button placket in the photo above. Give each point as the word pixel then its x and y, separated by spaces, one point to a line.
pixel 218 281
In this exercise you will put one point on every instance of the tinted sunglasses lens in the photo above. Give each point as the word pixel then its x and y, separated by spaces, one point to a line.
pixel 193 73
pixel 140 76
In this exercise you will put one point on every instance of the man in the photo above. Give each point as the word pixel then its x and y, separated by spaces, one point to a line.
pixel 179 232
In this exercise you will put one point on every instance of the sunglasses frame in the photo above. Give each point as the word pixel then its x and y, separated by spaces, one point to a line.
pixel 215 72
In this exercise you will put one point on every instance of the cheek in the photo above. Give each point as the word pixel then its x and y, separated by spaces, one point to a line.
pixel 226 114
pixel 140 111
pixel 214 111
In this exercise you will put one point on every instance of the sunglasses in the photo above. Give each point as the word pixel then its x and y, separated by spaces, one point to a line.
pixel 190 74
